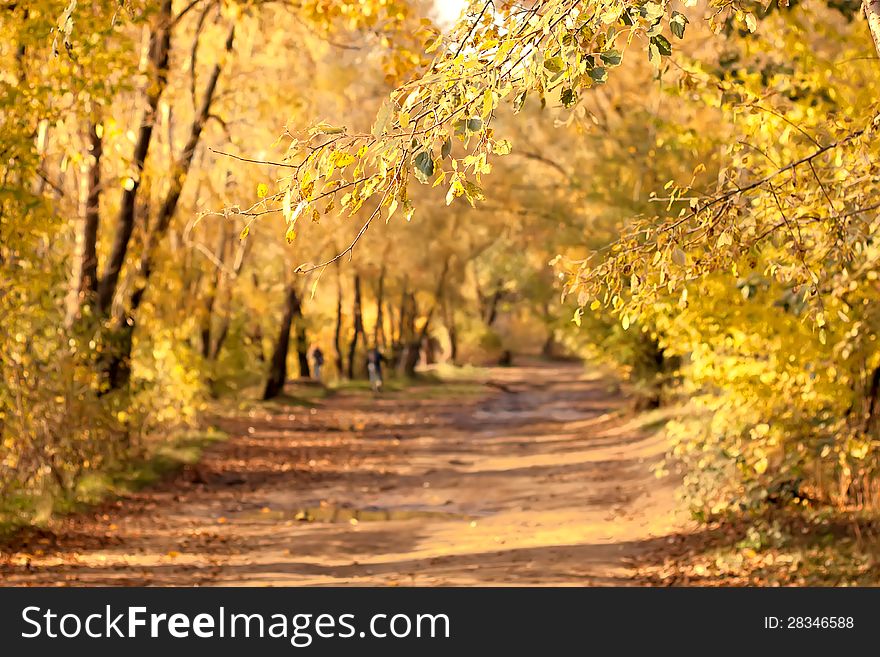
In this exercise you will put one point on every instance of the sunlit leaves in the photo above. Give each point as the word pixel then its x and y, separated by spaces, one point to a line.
pixel 383 119
pixel 760 276
pixel 497 55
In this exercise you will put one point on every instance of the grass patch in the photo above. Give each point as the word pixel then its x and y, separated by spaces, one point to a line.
pixel 167 459
pixel 783 547
pixel 23 508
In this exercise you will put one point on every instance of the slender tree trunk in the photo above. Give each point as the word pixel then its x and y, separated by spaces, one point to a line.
pixel 120 365
pixel 438 299
pixel 453 333
pixel 278 363
pixel 548 350
pixel 211 294
pixel 223 329
pixel 490 313
pixel 393 336
pixel 160 45
pixel 85 286
pixel 302 349
pixel 401 316
pixel 409 355
pixel 337 335
pixel 379 328
pixel 88 278
pixel 258 340
pixel 414 347
pixel 179 174
pixel 358 326
pixel 873 400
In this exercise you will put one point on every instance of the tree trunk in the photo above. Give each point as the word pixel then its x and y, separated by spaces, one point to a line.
pixel 302 349
pixel 121 361
pixel 223 330
pixel 873 402
pixel 491 311
pixel 160 45
pixel 179 174
pixel 409 356
pixel 415 345
pixel 211 294
pixel 871 8
pixel 453 333
pixel 393 336
pixel 86 285
pixel 379 328
pixel 337 335
pixel 278 363
pixel 358 326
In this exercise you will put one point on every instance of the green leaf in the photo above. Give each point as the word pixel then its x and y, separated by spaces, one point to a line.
pixel 554 64
pixel 446 148
pixel 611 58
pixel 652 11
pixel 662 43
pixel 599 74
pixel 424 166
pixel 474 124
pixel 677 24
pixel 473 192
pixel 568 97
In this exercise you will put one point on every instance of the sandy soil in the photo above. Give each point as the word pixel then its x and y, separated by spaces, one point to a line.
pixel 544 479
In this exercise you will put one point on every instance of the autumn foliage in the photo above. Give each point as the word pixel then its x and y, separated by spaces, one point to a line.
pixel 194 195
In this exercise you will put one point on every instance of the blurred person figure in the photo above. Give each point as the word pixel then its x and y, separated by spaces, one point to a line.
pixel 374 368
pixel 317 363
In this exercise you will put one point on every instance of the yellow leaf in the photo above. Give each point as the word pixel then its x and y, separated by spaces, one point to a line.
pixel 391 209
pixel 286 205
pixel 761 465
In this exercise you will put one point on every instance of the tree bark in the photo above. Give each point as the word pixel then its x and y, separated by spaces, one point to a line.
pixel 302 349
pixel 337 335
pixel 120 364
pixel 86 285
pixel 379 328
pixel 491 311
pixel 278 363
pixel 871 9
pixel 873 402
pixel 392 335
pixel 453 333
pixel 414 346
pixel 179 175
pixel 211 294
pixel 160 46
pixel 358 326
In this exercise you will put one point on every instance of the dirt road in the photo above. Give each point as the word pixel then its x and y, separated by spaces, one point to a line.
pixel 540 480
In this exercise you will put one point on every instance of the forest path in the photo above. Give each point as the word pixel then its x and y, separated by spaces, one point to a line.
pixel 541 478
